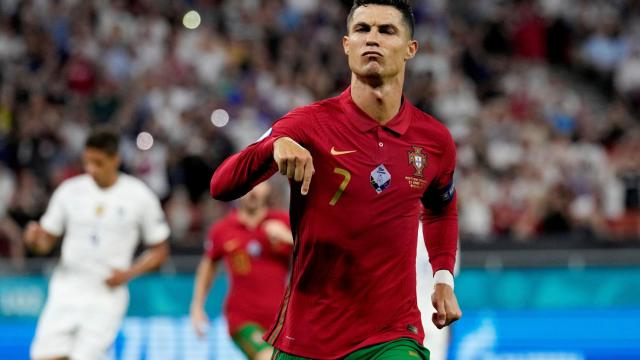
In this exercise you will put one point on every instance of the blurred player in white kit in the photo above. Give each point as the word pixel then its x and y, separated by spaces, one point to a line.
pixel 100 217
pixel 436 340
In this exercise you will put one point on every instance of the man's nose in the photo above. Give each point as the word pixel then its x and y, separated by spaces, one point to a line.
pixel 90 169
pixel 372 38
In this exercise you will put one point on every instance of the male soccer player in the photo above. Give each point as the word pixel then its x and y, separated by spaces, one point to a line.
pixel 374 158
pixel 100 216
pixel 255 243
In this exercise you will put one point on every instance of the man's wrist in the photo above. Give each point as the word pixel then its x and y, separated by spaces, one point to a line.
pixel 443 277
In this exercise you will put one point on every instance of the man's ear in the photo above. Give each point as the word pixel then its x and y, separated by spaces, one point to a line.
pixel 345 44
pixel 412 49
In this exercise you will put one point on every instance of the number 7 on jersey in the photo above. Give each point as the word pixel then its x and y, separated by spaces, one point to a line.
pixel 343 185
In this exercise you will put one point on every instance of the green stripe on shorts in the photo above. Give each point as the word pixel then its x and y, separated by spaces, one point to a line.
pixel 249 339
pixel 400 349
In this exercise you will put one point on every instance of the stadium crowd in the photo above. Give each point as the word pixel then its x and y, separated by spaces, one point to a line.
pixel 542 98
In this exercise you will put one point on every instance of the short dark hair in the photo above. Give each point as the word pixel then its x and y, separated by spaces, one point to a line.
pixel 402 5
pixel 104 140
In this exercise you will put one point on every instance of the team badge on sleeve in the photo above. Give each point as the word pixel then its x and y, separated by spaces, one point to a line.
pixel 380 178
pixel 418 160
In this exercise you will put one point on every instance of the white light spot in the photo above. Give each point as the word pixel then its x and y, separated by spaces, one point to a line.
pixel 144 141
pixel 191 20
pixel 220 118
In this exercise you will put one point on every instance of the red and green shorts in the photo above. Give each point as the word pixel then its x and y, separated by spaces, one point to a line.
pixel 249 339
pixel 400 349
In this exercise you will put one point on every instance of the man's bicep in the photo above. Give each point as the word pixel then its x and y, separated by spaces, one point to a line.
pixel 213 244
pixel 54 219
pixel 155 229
pixel 441 191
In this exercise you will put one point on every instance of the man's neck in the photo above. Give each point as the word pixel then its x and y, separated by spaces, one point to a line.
pixel 251 219
pixel 379 99
pixel 109 182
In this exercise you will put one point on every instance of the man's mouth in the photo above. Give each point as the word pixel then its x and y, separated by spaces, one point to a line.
pixel 371 53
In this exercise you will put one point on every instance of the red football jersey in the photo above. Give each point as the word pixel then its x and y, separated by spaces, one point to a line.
pixel 353 280
pixel 257 269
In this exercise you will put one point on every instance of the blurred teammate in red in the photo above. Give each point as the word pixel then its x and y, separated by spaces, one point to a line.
pixel 374 159
pixel 255 243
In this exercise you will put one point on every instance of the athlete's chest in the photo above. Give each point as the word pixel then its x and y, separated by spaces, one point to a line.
pixel 238 239
pixel 368 165
pixel 108 210
pixel 242 248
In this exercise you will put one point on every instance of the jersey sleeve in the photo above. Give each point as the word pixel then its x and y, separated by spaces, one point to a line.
pixel 242 171
pixel 440 215
pixel 54 219
pixel 154 225
pixel 295 125
pixel 213 244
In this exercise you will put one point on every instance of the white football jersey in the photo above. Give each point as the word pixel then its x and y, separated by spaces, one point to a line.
pixel 102 227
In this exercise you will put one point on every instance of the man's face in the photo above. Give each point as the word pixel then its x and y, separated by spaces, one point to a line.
pixel 101 166
pixel 256 198
pixel 378 42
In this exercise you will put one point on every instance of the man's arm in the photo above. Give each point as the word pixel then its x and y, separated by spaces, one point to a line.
pixel 258 162
pixel 278 232
pixel 151 259
pixel 205 275
pixel 39 240
pixel 440 230
pixel 241 172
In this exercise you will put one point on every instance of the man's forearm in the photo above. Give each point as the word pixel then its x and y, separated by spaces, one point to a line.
pixel 150 260
pixel 204 279
pixel 441 236
pixel 241 172
pixel 44 243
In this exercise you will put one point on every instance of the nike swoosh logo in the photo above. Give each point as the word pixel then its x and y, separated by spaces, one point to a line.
pixel 337 152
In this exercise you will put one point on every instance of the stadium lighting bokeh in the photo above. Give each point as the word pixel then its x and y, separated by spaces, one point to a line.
pixel 191 20
pixel 220 118
pixel 144 141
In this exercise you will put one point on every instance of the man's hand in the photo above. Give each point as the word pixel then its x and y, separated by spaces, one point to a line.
pixel 277 232
pixel 37 239
pixel 199 321
pixel 32 233
pixel 294 161
pixel 117 278
pixel 446 305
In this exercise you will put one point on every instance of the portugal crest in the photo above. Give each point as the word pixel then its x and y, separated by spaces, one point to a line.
pixel 418 160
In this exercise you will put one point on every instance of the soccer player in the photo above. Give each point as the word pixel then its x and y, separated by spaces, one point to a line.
pixel 374 158
pixel 100 217
pixel 255 243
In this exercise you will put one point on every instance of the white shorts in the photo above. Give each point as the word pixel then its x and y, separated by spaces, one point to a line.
pixel 80 319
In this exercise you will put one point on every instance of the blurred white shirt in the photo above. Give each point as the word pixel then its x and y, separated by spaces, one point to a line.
pixel 102 227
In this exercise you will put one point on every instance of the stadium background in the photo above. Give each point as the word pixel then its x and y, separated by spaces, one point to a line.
pixel 542 98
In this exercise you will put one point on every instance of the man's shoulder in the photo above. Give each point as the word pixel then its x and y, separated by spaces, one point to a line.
pixel 134 186
pixel 328 105
pixel 222 225
pixel 278 214
pixel 427 123
pixel 74 183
